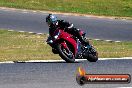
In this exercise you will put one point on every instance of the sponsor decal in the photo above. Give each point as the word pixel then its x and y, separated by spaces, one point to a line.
pixel 83 78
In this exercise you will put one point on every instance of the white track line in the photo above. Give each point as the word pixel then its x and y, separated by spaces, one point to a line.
pixel 123 87
pixel 35 61
pixel 21 31
pixel 10 30
pixel 77 60
pixel 117 41
pixel 123 58
pixel 6 62
pixel 30 32
pixel 108 40
pixel 39 33
pixel 97 39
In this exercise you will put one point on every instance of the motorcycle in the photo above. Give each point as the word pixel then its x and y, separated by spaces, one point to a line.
pixel 70 48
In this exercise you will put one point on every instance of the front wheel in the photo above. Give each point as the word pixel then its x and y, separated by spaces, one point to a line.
pixel 66 54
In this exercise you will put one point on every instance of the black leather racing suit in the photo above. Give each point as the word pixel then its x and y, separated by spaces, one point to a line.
pixel 68 28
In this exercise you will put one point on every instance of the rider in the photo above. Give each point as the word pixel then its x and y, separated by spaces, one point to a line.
pixel 54 23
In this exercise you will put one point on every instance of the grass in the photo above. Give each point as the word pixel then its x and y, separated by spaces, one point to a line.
pixel 15 46
pixel 113 49
pixel 96 7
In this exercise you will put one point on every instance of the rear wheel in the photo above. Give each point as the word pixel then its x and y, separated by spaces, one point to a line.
pixel 93 55
pixel 92 58
pixel 66 54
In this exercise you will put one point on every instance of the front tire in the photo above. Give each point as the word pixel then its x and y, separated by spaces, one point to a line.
pixel 64 56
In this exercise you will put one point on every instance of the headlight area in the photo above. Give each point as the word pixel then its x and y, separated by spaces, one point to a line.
pixel 50 42
pixel 56 36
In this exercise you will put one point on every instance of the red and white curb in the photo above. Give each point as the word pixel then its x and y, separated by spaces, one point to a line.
pixel 106 40
pixel 27 32
pixel 48 34
pixel 46 61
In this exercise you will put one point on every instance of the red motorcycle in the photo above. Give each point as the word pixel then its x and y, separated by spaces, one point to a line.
pixel 69 47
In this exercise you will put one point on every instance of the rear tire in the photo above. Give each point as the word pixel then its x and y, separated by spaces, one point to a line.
pixel 93 56
pixel 64 56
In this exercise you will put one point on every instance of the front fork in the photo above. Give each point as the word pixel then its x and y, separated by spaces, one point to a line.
pixel 51 43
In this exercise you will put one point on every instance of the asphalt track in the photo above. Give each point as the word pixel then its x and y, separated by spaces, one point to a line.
pixel 99 28
pixel 61 74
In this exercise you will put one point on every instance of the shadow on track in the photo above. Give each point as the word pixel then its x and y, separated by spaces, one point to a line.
pixel 46 62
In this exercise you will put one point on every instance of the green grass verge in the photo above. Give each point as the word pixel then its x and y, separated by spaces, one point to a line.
pixel 96 7
pixel 15 46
